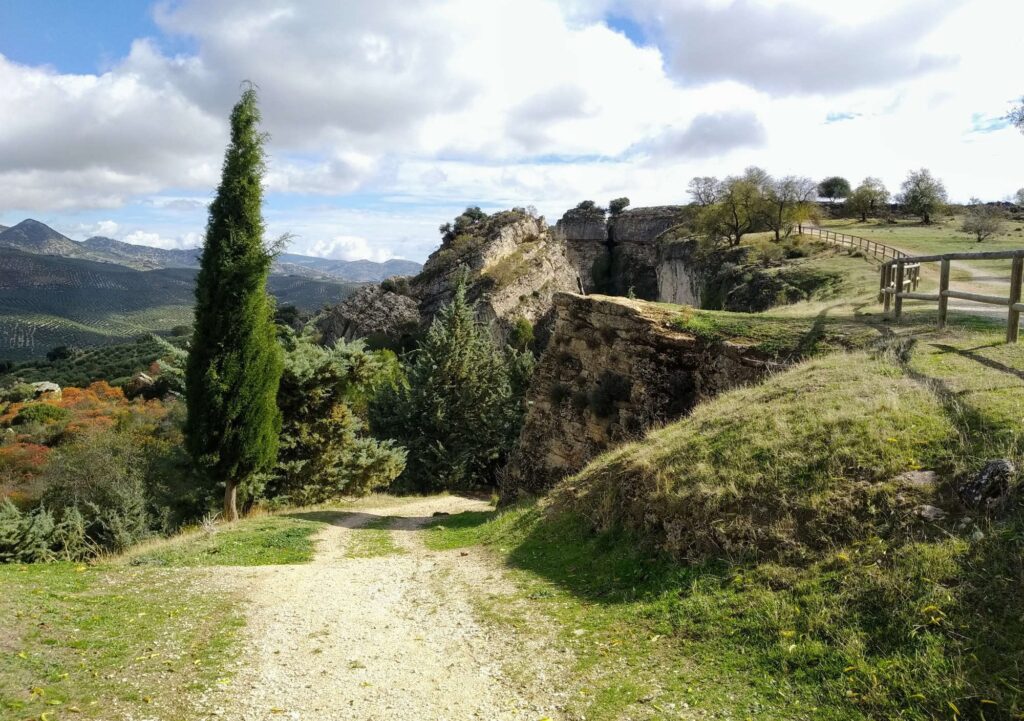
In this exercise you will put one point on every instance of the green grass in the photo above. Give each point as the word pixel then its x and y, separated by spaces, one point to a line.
pixel 811 589
pixel 942 236
pixel 372 540
pixel 260 541
pixel 105 642
pixel 784 334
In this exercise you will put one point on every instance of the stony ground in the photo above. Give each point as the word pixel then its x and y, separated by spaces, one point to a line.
pixel 383 638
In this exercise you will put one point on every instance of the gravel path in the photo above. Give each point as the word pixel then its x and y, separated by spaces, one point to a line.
pixel 384 638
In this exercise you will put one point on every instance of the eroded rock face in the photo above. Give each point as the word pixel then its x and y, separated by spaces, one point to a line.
pixel 620 255
pixel 614 368
pixel 513 272
pixel 586 245
pixel 633 237
pixel 370 312
pixel 679 280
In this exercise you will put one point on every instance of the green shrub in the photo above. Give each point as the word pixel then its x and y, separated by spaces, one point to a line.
pixel 102 478
pixel 19 393
pixel 41 413
pixel 34 536
pixel 324 452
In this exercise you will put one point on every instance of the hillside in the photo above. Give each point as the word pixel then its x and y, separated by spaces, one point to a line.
pixel 46 301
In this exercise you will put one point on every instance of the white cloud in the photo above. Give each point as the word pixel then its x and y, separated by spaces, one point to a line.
pixel 400 112
pixel 349 247
pixel 155 240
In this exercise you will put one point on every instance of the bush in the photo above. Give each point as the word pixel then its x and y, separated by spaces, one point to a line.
pixel 41 413
pixel 522 337
pixel 101 477
pixel 34 536
pixel 19 393
pixel 323 451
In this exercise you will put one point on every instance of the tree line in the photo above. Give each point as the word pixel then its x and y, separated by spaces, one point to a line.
pixel 730 208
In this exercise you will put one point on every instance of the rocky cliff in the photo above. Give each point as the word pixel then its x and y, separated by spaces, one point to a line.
pixel 633 240
pixel 614 367
pixel 513 264
pixel 585 235
pixel 372 312
pixel 620 255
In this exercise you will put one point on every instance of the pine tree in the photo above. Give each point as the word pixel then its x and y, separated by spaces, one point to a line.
pixel 234 364
pixel 460 411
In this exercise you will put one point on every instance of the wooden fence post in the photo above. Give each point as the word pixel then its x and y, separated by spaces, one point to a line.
pixel 943 287
pixel 898 305
pixel 1013 317
pixel 888 283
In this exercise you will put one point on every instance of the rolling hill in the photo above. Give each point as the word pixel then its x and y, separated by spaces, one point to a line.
pixel 50 300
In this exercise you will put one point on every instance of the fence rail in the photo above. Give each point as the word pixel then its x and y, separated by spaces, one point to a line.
pixel 879 250
pixel 894 284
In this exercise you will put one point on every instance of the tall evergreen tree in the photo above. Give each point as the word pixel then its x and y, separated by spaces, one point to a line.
pixel 234 364
pixel 459 413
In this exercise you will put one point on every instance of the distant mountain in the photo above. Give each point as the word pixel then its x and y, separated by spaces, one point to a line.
pixel 31 236
pixel 144 255
pixel 360 271
pixel 49 300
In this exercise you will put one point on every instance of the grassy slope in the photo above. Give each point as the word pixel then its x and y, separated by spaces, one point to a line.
pixel 812 591
pixel 942 236
pixel 101 641
pixel 124 639
pixel 258 541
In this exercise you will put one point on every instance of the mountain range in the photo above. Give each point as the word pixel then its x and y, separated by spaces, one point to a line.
pixel 31 236
pixel 57 291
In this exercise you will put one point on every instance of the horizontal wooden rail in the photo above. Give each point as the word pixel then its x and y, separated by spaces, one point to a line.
pixel 879 250
pixel 896 275
pixel 976 297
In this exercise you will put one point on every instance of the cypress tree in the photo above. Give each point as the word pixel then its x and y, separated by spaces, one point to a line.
pixel 234 364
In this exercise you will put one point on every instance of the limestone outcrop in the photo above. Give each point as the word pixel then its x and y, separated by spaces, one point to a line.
pixel 633 241
pixel 613 368
pixel 371 312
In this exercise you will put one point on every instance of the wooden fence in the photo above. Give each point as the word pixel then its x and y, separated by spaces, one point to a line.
pixel 886 253
pixel 879 250
pixel 894 285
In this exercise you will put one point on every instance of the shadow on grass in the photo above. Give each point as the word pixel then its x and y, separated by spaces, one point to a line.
pixel 970 354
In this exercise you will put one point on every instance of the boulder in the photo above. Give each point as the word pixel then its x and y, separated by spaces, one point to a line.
pixel 370 312
pixel 991 487
pixel 46 390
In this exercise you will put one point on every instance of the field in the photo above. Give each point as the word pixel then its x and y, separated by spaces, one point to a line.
pixel 47 301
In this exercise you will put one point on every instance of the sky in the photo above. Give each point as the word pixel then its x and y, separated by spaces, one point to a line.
pixel 387 118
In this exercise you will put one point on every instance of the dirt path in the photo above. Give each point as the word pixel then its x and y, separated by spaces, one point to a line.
pixel 383 638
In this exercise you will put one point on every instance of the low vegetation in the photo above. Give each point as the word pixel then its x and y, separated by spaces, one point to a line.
pixel 260 541
pixel 812 588
pixel 115 364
